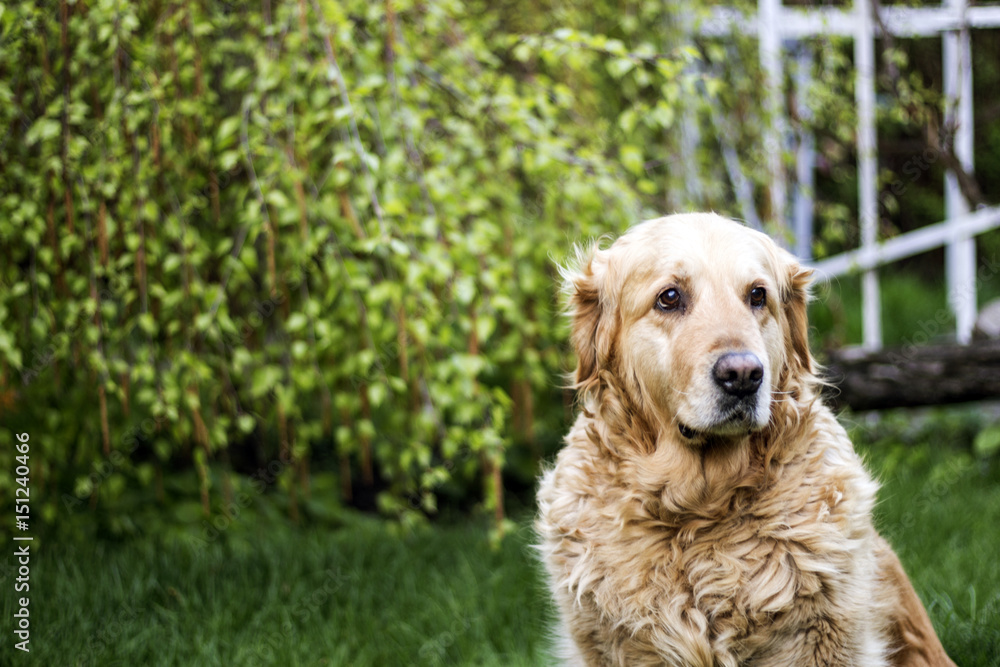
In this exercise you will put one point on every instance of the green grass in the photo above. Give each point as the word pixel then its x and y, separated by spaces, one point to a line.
pixel 369 593
pixel 940 509
pixel 360 595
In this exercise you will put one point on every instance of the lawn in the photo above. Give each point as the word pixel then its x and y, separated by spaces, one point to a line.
pixel 363 594
pixel 370 593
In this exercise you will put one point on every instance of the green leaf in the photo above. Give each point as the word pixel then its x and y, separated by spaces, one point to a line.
pixel 465 290
pixel 147 324
pixel 171 263
pixel 228 129
pixel 246 423
pixel 228 160
pixel 632 160
pixel 277 199
pixel 296 322
pixel 264 380
pixel 399 247
pixel 43 129
pixel 203 321
pixel 619 67
pixel 9 351
pixel 987 442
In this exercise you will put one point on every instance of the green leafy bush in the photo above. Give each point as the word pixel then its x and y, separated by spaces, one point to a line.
pixel 311 232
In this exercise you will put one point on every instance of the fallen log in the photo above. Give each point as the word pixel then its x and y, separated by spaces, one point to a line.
pixel 913 376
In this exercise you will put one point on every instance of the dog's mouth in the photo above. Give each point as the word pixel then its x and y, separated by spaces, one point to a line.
pixel 687 431
pixel 738 420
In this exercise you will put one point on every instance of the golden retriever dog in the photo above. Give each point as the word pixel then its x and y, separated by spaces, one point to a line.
pixel 707 509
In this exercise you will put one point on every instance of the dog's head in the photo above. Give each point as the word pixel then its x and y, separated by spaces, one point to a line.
pixel 696 322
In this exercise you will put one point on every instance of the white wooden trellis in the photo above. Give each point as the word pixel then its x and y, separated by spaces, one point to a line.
pixel 952 21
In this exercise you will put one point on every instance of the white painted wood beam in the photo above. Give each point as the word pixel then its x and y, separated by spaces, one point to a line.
pixel 908 244
pixel 960 253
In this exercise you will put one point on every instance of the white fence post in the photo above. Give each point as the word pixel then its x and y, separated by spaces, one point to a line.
pixel 770 59
pixel 960 255
pixel 864 93
pixel 805 157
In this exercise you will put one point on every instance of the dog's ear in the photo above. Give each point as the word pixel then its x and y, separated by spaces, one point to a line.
pixel 586 306
pixel 796 301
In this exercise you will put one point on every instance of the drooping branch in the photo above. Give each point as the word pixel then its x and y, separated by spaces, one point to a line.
pixel 345 99
pixel 940 135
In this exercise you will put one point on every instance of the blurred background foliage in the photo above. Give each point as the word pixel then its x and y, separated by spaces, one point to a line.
pixel 307 250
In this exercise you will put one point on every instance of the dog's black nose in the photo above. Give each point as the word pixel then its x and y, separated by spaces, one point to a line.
pixel 738 373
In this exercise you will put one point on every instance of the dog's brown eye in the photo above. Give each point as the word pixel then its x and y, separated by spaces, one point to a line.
pixel 668 300
pixel 758 297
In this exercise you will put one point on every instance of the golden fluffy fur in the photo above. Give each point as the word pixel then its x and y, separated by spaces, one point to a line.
pixel 707 509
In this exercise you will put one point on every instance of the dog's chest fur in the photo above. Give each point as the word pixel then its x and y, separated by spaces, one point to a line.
pixel 723 586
